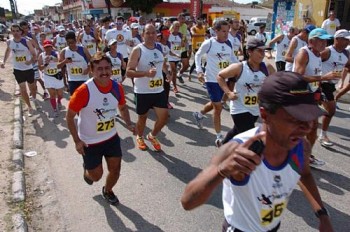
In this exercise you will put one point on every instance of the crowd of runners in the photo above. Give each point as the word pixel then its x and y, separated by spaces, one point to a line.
pixel 92 60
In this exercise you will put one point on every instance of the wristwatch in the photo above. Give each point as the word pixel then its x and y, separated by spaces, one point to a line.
pixel 322 211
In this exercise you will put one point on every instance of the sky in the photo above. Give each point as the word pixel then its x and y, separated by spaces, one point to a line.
pixel 27 6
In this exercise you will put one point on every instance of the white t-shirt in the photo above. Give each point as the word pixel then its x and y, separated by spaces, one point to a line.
pixel 122 36
pixel 331 26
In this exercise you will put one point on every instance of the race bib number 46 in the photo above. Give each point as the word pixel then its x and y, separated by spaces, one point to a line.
pixel 269 214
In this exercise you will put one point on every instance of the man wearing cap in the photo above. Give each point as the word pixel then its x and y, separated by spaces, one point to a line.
pixel 308 63
pixel 123 37
pixel 334 59
pixel 135 36
pixel 247 78
pixel 48 29
pixel 296 43
pixel 287 109
pixel 60 40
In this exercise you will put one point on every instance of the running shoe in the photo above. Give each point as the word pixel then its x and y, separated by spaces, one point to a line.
pixel 154 141
pixel 45 96
pixel 87 180
pixel 141 143
pixel 30 112
pixel 325 142
pixel 218 141
pixel 110 196
pixel 316 163
pixel 179 77
pixel 175 90
pixel 225 106
pixel 55 114
pixel 199 120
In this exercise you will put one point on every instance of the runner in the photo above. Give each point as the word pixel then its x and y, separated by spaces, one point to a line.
pixel 220 55
pixel 176 42
pixel 117 61
pixel 198 37
pixel 24 56
pixel 87 40
pixel 282 45
pixel 76 58
pixel 123 36
pixel 48 30
pixel 309 64
pixel 60 40
pixel 184 49
pixel 146 66
pixel 256 189
pixel 53 77
pixel 95 136
pixel 247 78
pixel 334 58
pixel 296 43
pixel 105 26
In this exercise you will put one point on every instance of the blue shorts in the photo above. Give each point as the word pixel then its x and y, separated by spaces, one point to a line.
pixel 215 92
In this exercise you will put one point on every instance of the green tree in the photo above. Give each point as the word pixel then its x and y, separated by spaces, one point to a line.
pixel 143 5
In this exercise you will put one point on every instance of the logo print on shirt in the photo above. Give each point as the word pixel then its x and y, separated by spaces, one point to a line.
pixel 152 64
pixel 120 38
pixel 219 56
pixel 339 58
pixel 99 113
pixel 222 48
pixel 155 55
pixel 249 87
pixel 105 101
pixel 265 200
pixel 277 179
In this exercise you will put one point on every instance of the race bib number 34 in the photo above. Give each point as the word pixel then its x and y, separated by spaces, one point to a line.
pixel 155 83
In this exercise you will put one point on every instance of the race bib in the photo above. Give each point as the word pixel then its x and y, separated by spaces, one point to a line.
pixel 105 126
pixel 177 48
pixel 52 71
pixel 21 59
pixel 115 72
pixel 250 100
pixel 235 53
pixel 270 212
pixel 155 83
pixel 89 46
pixel 198 44
pixel 76 71
pixel 223 64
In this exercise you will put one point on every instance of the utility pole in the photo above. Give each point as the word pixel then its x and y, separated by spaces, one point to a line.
pixel 14 11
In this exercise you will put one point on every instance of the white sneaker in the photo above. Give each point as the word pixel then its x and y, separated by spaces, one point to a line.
pixel 316 163
pixel 199 120
pixel 325 142
pixel 55 114
pixel 225 106
pixel 218 141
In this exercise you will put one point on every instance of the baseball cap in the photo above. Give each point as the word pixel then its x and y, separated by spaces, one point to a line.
pixel 309 27
pixel 342 34
pixel 255 43
pixel 319 33
pixel 132 19
pixel 134 25
pixel 292 92
pixel 47 43
pixel 112 41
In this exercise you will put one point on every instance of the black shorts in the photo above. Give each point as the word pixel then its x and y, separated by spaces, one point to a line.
pixel 146 101
pixel 184 55
pixel 73 85
pixel 328 89
pixel 94 153
pixel 124 69
pixel 24 76
pixel 280 65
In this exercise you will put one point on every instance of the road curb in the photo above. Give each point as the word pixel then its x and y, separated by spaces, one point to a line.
pixel 18 121
pixel 19 223
pixel 18 179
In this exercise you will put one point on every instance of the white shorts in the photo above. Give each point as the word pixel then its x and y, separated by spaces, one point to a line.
pixel 52 83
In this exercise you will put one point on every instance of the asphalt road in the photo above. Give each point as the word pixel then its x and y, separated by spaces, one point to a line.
pixel 151 184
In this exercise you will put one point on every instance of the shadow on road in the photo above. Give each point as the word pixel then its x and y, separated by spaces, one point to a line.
pixel 116 224
pixel 185 173
pixel 332 182
pixel 300 206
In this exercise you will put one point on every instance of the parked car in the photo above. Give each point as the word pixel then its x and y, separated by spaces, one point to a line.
pixel 4 32
pixel 258 20
pixel 253 28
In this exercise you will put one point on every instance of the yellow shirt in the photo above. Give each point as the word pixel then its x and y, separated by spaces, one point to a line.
pixel 197 37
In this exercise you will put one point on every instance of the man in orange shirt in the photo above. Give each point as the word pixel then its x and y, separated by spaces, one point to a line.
pixel 95 102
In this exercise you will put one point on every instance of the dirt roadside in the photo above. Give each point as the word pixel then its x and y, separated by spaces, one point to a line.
pixel 7 99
